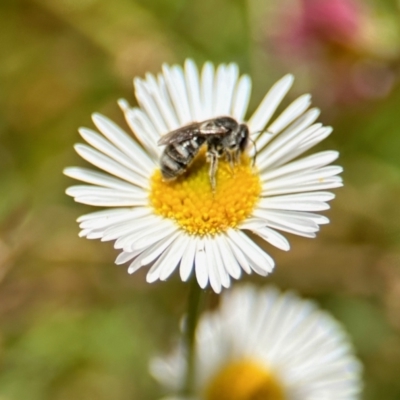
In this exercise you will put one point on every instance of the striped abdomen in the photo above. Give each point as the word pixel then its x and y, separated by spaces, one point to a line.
pixel 176 157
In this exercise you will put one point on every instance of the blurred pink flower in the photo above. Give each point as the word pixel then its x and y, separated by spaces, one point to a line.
pixel 338 21
pixel 340 44
pixel 322 25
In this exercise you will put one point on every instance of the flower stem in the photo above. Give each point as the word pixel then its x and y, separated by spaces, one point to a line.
pixel 193 312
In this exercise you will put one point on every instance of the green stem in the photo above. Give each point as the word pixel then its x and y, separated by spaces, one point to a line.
pixel 193 312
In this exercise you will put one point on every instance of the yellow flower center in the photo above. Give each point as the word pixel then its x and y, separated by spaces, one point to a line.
pixel 245 380
pixel 191 203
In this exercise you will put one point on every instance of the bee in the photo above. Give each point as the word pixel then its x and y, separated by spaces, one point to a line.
pixel 223 136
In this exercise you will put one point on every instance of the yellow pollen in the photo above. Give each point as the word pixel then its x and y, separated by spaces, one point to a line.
pixel 245 380
pixel 190 202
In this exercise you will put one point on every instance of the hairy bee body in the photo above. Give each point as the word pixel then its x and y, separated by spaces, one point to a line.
pixel 223 136
pixel 176 157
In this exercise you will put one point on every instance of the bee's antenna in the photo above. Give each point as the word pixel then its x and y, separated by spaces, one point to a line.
pixel 255 153
pixel 254 144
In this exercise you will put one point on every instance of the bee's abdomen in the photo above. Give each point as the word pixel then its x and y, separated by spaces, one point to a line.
pixel 176 157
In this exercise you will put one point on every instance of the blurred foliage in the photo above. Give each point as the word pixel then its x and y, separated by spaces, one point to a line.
pixel 73 325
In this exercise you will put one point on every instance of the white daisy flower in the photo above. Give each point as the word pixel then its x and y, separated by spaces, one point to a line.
pixel 264 344
pixel 183 222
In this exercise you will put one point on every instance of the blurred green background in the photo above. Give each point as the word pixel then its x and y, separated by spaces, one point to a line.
pixel 75 326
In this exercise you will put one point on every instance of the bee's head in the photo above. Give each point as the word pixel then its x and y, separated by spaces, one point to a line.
pixel 243 133
pixel 237 139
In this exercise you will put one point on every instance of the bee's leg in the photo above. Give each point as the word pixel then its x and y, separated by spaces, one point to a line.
pixel 237 157
pixel 230 157
pixel 213 159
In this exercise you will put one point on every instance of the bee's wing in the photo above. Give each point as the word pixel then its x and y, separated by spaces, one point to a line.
pixel 180 135
pixel 213 130
pixel 190 131
pixel 210 127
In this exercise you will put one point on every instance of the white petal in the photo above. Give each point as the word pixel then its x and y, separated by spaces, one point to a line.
pixel 306 144
pixel 99 143
pixel 232 79
pixel 93 235
pixel 130 231
pixel 163 102
pixel 125 240
pixel 107 164
pixel 314 139
pixel 200 265
pixel 110 201
pixel 193 89
pixel 148 104
pixel 153 273
pixel 328 183
pixel 207 90
pixel 280 203
pixel 149 237
pixel 270 103
pixel 122 140
pixel 225 81
pixel 84 190
pixel 126 256
pixel 295 202
pixel 317 218
pixel 292 112
pixel 240 257
pixel 102 214
pixel 84 232
pixel 313 161
pixel 296 227
pixel 220 263
pixel 180 247
pixel 289 219
pixel 304 177
pixel 241 98
pixel 158 248
pixel 123 227
pixel 261 262
pixel 144 130
pixel 170 257
pixel 231 264
pixel 187 262
pixel 213 268
pixel 98 178
pixel 269 235
pixel 97 196
pixel 104 219
pixel 290 229
pixel 180 84
pixel 174 80
pixel 288 140
pixel 220 86
pixel 273 237
pixel 299 178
